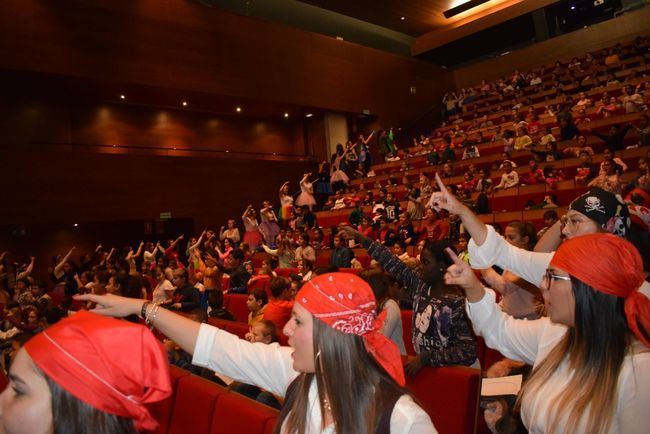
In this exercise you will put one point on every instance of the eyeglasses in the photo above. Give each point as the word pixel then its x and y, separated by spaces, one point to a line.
pixel 550 276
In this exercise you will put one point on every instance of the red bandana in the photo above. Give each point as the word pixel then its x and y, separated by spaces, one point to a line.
pixel 611 265
pixel 346 303
pixel 115 366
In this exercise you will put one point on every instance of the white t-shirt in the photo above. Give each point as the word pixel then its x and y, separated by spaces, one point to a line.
pixel 161 291
pixel 271 367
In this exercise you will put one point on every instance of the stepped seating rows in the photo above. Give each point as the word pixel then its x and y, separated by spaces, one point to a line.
pixel 635 65
pixel 492 151
pixel 564 75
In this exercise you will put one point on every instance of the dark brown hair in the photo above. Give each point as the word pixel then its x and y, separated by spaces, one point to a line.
pixel 71 415
pixel 347 376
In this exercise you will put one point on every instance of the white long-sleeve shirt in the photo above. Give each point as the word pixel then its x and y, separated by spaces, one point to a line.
pixel 271 367
pixel 531 341
pixel 530 266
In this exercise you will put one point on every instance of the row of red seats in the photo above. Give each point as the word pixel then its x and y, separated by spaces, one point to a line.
pixel 198 406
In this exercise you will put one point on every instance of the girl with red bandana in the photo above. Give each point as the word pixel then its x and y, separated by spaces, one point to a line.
pixel 340 374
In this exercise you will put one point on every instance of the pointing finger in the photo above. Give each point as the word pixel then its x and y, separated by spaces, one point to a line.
pixel 454 257
pixel 441 185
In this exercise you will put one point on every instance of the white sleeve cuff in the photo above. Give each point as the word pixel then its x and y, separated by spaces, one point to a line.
pixel 484 256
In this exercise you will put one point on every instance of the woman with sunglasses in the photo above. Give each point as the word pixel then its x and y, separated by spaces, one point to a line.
pixel 591 355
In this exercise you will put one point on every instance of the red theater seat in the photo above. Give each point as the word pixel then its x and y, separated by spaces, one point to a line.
pixel 286 272
pixel 407 331
pixel 162 410
pixel 237 414
pixel 236 303
pixel 3 380
pixel 194 405
pixel 450 396
pixel 235 327
pixel 262 282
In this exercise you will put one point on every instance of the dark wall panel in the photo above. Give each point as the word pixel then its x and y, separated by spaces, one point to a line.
pixel 27 121
pixel 77 187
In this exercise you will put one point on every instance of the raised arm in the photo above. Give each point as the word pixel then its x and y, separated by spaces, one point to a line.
pixel 58 270
pixel 516 339
pixel 551 239
pixel 196 245
pixel 447 201
pixel 27 270
pixel 174 243
pixel 281 187
pixel 267 366
pixel 139 251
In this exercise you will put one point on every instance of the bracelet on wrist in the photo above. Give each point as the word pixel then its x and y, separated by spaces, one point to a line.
pixel 143 310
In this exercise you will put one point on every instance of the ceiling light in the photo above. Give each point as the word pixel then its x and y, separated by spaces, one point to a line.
pixel 402 18
pixel 308 115
pixel 286 115
pixel 340 38
pixel 238 109
pixel 76 225
pixel 227 150
pixel 122 96
pixel 184 103
pixel 463 7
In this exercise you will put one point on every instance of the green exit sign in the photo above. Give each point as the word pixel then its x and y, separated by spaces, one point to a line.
pixel 165 215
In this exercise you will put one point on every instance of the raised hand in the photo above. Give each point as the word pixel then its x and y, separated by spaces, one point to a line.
pixel 350 233
pixel 461 274
pixel 112 305
pixel 445 200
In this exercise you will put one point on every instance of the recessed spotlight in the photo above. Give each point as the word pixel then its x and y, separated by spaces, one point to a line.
pixel 340 38
pixel 286 115
pixel 122 96
pixel 308 115
pixel 184 103
pixel 227 150
pixel 402 18
pixel 238 109
pixel 114 146
pixel 76 225
pixel 573 8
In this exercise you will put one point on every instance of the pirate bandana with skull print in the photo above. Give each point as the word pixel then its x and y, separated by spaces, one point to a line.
pixel 606 209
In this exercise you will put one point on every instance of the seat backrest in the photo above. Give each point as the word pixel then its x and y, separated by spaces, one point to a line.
pixel 162 410
pixel 194 405
pixel 236 303
pixel 235 327
pixel 453 411
pixel 286 272
pixel 262 282
pixel 407 331
pixel 4 381
pixel 235 413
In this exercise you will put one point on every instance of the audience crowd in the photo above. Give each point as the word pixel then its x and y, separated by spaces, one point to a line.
pixel 580 126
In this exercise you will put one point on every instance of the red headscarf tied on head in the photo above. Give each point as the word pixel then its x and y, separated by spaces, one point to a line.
pixel 346 303
pixel 611 265
pixel 113 365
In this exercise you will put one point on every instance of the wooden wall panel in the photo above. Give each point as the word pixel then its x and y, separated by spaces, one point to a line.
pixel 27 121
pixel 621 29
pixel 181 44
pixel 68 187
